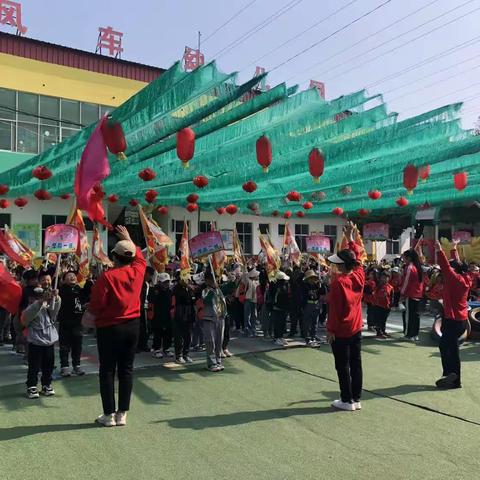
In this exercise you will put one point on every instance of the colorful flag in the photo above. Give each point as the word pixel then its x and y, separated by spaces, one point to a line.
pixel 10 291
pixel 75 218
pixel 290 244
pixel 218 258
pixel 273 259
pixel 184 254
pixel 97 249
pixel 237 249
pixel 13 250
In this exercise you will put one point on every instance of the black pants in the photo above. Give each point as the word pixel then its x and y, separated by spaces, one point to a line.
pixel 162 335
pixel 279 318
pixel 40 358
pixel 237 307
pixel 451 331
pixel 323 314
pixel 116 352
pixel 182 335
pixel 70 341
pixel 370 315
pixel 226 332
pixel 411 318
pixel 144 333
pixel 396 299
pixel 348 363
pixel 295 320
pixel 381 316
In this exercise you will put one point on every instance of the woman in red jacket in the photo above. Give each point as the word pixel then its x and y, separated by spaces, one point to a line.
pixel 412 293
pixel 344 324
pixel 457 284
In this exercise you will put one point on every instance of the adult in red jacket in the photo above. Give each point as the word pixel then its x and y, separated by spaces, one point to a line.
pixel 115 304
pixel 412 293
pixel 457 284
pixel 344 324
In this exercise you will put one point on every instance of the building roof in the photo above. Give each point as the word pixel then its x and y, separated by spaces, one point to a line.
pixel 71 57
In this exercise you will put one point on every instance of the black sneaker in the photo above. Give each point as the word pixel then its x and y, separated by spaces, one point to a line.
pixel 450 381
pixel 32 392
pixel 48 391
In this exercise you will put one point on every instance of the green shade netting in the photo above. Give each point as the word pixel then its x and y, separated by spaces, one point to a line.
pixel 365 147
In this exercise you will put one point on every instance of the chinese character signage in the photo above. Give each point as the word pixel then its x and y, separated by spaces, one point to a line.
pixel 227 238
pixel 192 59
pixel 110 40
pixel 61 238
pixel 11 14
pixel 205 244
pixel 317 244
pixel 375 231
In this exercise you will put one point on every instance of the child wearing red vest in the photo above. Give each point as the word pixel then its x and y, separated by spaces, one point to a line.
pixel 382 301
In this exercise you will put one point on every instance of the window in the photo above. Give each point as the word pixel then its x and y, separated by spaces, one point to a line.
pixel 49 136
pixel 301 233
pixel 27 107
pixel 9 102
pixel 281 229
pixel 206 226
pixel 5 219
pixel 70 114
pixel 27 137
pixel 331 232
pixel 393 247
pixel 264 228
pixel 244 230
pixel 89 113
pixel 49 110
pixel 68 132
pixel 7 138
pixel 177 231
pixel 48 220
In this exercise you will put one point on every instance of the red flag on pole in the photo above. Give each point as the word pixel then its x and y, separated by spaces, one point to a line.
pixel 10 291
pixel 6 248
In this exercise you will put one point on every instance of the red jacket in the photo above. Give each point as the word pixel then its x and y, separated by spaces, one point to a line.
pixel 396 283
pixel 411 286
pixel 115 295
pixel 382 297
pixel 345 301
pixel 436 291
pixel 455 290
pixel 369 290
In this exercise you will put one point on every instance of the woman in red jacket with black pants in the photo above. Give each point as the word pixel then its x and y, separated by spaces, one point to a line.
pixel 344 324
pixel 457 284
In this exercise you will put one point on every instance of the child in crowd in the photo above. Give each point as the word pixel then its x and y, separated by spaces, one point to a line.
pixel 382 304
pixel 396 283
pixel 310 306
pixel 162 320
pixel 368 291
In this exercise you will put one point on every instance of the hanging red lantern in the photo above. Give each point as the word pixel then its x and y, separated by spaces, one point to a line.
pixel 318 196
pixel 163 210
pixel 424 172
pixel 264 152
pixel 249 186
pixel 401 201
pixel 133 202
pixel 294 196
pixel 42 194
pixel 41 172
pixel 200 181
pixel 275 213
pixel 4 189
pixel 287 214
pixel 231 209
pixel 4 203
pixel 363 212
pixel 113 198
pixel 114 138
pixel 192 198
pixel 410 178
pixel 147 174
pixel 185 145
pixel 308 205
pixel 220 210
pixel 375 194
pixel 65 196
pixel 300 214
pixel 338 211
pixel 316 164
pixel 151 195
pixel 20 202
pixel 460 180
pixel 191 207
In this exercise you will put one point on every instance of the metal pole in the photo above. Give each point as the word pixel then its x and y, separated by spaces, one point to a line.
pixel 198 49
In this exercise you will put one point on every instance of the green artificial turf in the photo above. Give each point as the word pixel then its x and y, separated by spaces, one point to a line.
pixel 267 416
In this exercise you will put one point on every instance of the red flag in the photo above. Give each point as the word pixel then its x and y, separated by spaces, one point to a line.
pixel 10 253
pixel 10 291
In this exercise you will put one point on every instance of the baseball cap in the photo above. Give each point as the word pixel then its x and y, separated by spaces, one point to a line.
pixel 164 277
pixel 335 259
pixel 125 248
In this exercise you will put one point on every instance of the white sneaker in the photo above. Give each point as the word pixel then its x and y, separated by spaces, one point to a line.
pixel 338 404
pixel 285 342
pixel 188 359
pixel 157 354
pixel 32 392
pixel 227 353
pixel 416 339
pixel 121 419
pixel 279 342
pixel 357 405
pixel 222 355
pixel 65 372
pixel 106 420
pixel 180 361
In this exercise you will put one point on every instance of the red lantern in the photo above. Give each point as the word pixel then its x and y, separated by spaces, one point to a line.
pixel 294 196
pixel 375 194
pixel 220 210
pixel 410 178
pixel 316 164
pixel 147 174
pixel 275 213
pixel 4 203
pixel 191 207
pixel 163 210
pixel 287 214
pixel 231 209
pixel 424 172
pixel 41 172
pixel 249 186
pixel 20 202
pixel 253 206
pixel 65 196
pixel 151 195
pixel 363 212
pixel 308 205
pixel 300 214
pixel 401 201
pixel 185 145
pixel 338 211
pixel 192 198
pixel 200 181
pixel 4 189
pixel 113 198
pixel 133 202
pixel 460 180
pixel 114 138
pixel 42 194
pixel 264 152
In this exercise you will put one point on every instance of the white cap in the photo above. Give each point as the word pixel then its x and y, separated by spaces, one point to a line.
pixel 335 259
pixel 199 278
pixel 282 276
pixel 164 277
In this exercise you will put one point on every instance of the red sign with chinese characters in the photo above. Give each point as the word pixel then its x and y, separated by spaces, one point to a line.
pixel 192 59
pixel 320 86
pixel 11 14
pixel 111 40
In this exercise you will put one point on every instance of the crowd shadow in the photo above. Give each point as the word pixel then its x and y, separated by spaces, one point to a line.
pixel 14 433
pixel 399 390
